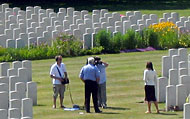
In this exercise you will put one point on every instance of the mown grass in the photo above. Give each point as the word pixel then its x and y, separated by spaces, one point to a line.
pixel 125 88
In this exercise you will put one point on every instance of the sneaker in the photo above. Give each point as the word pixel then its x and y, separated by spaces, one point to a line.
pixel 54 107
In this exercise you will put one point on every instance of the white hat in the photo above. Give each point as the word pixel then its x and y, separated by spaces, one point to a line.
pixel 90 60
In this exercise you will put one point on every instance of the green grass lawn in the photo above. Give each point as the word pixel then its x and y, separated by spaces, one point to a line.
pixel 125 88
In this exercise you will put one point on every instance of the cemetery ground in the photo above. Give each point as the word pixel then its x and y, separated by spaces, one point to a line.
pixel 125 88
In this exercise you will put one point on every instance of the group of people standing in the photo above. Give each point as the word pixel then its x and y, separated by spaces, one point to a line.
pixel 93 75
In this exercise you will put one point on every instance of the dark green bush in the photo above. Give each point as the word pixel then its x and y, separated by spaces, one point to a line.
pixel 102 38
pixel 93 51
pixel 151 38
pixel 141 42
pixel 129 41
pixel 116 43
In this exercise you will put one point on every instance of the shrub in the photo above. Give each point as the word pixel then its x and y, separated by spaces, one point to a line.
pixel 152 38
pixel 93 51
pixel 168 34
pixel 65 45
pixel 129 41
pixel 102 38
pixel 184 39
pixel 141 41
pixel 116 43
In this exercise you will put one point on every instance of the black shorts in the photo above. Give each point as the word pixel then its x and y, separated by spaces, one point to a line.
pixel 149 93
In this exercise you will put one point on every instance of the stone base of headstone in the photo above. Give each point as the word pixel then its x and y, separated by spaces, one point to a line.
pixel 162 82
pixel 186 111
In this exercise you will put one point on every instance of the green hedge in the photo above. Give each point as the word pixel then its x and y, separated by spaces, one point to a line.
pixel 65 45
pixel 143 39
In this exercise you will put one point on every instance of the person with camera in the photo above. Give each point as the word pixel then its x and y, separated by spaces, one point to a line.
pixel 58 73
pixel 102 98
pixel 90 75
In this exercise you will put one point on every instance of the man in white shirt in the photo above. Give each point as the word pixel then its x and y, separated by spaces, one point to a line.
pixel 57 73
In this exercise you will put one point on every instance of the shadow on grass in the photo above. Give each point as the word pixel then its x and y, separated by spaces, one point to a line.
pixel 109 113
pixel 140 102
pixel 162 113
pixel 41 105
pixel 112 108
pixel 118 108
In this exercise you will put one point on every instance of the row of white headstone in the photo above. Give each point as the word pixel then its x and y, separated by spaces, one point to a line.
pixel 19 28
pixel 17 91
pixel 186 111
pixel 174 85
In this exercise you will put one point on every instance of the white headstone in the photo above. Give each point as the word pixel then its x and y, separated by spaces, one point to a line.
pixel 182 71
pixel 83 13
pixel 173 52
pixel 102 12
pixel 4 66
pixel 4 87
pixel 175 61
pixel 182 52
pixel 87 39
pixel 186 111
pixel 170 96
pixel 13 95
pixel 15 103
pixel 32 92
pixel 4 113
pixel 12 81
pixel 77 33
pixel 173 77
pixel 4 100
pixel 161 88
pixel 17 64
pixel 126 26
pixel 181 95
pixel 28 64
pixel 14 113
pixel 4 79
pixel 70 11
pixel 166 65
pixel 26 109
pixel 20 87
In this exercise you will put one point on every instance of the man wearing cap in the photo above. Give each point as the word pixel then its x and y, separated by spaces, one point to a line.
pixel 90 75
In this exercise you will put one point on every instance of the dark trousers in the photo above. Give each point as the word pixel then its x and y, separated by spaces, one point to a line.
pixel 91 87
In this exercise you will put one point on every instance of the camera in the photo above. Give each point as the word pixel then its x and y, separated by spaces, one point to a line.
pixel 97 60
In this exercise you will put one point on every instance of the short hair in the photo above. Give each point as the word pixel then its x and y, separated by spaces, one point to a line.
pixel 149 65
pixel 90 60
pixel 57 57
